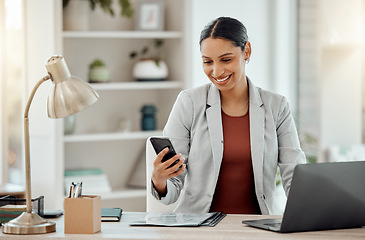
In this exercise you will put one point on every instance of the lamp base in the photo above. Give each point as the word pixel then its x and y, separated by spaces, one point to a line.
pixel 29 223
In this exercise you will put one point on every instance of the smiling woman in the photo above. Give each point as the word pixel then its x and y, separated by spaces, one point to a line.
pixel 231 134
pixel 12 85
pixel 223 63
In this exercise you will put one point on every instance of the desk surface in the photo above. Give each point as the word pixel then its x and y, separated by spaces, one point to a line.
pixel 230 227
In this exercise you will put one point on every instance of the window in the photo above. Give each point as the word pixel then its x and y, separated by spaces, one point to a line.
pixel 12 55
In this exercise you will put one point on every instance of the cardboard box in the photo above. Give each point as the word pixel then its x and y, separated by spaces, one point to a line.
pixel 83 214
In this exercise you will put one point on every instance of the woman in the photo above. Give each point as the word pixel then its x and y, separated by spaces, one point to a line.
pixel 232 134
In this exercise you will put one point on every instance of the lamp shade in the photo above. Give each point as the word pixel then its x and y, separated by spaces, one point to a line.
pixel 68 94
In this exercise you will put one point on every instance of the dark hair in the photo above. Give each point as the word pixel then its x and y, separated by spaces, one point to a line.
pixel 228 28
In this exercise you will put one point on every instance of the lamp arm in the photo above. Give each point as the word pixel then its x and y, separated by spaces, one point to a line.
pixel 45 78
pixel 28 195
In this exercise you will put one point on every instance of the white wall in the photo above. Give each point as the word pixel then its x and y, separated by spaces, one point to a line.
pixel 271 31
pixel 41 43
pixel 254 15
pixel 284 49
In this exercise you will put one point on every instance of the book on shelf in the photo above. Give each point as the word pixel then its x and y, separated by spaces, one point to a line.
pixel 9 212
pixel 111 214
pixel 94 181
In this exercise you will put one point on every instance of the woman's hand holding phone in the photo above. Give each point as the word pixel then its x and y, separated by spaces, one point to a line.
pixel 163 170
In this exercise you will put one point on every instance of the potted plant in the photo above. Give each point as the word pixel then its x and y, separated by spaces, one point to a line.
pixel 75 13
pixel 149 67
pixel 98 73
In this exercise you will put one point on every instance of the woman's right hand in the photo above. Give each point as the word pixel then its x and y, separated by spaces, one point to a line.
pixel 161 171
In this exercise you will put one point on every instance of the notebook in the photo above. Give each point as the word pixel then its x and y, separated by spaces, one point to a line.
pixel 322 196
pixel 111 214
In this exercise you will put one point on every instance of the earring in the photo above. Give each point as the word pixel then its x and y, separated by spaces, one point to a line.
pixel 247 60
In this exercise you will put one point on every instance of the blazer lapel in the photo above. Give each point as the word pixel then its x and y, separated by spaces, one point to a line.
pixel 214 120
pixel 257 126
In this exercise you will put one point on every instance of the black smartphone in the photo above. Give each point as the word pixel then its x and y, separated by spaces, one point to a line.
pixel 159 144
pixel 52 213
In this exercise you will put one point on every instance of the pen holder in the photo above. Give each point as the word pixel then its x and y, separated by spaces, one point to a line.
pixel 83 214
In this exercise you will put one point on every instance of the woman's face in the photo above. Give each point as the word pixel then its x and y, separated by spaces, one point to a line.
pixel 224 63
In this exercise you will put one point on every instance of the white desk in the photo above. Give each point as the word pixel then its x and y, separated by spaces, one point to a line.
pixel 230 227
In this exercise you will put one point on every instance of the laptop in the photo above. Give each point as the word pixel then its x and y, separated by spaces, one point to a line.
pixel 322 196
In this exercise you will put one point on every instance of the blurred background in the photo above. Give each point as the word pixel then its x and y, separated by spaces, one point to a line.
pixel 138 55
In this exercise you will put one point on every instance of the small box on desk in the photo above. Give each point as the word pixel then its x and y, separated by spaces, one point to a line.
pixel 82 214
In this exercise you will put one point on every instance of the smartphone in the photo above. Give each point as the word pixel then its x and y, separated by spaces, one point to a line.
pixel 52 213
pixel 159 144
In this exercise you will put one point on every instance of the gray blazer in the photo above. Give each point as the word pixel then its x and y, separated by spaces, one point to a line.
pixel 195 129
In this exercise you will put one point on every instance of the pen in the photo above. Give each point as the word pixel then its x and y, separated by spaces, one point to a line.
pixel 77 190
pixel 72 190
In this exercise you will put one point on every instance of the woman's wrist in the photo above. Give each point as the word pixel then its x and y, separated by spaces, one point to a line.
pixel 160 186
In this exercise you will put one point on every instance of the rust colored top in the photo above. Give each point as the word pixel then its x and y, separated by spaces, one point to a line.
pixel 235 189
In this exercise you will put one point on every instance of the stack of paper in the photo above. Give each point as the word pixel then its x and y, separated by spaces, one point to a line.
pixel 180 219
pixel 9 212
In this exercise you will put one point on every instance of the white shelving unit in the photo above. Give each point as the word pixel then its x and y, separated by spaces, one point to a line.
pixel 137 86
pixel 97 142
pixel 109 136
pixel 124 193
pixel 123 34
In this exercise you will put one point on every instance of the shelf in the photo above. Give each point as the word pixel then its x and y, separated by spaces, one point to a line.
pixel 95 137
pixel 124 193
pixel 123 34
pixel 137 85
pixel 341 46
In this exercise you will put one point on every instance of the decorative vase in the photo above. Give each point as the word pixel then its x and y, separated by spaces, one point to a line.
pixel 76 15
pixel 148 122
pixel 99 75
pixel 147 69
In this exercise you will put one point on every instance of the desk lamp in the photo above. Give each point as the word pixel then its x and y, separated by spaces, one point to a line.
pixel 68 95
